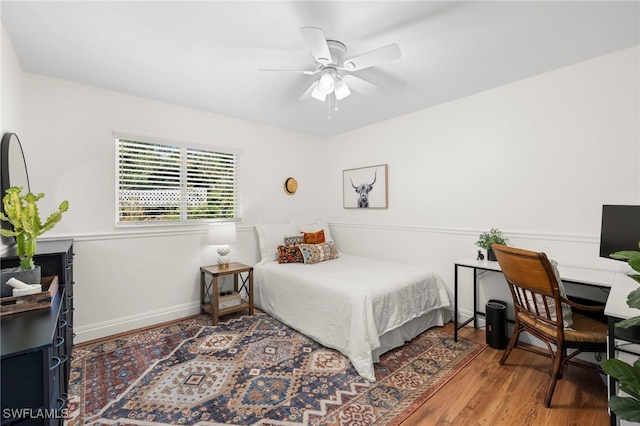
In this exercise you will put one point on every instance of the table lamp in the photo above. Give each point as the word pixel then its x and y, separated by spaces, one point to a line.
pixel 222 234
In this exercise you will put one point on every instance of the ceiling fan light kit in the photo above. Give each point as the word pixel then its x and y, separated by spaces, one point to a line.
pixel 326 84
pixel 335 72
pixel 342 90
pixel 317 93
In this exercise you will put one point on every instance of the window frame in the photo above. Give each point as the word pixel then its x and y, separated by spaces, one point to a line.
pixel 184 148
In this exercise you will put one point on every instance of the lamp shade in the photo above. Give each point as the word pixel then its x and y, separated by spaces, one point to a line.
pixel 342 90
pixel 318 94
pixel 222 233
pixel 327 82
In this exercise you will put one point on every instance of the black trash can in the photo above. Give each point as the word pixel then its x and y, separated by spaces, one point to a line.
pixel 496 324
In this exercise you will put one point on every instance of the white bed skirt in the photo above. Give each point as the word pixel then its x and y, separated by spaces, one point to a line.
pixel 399 336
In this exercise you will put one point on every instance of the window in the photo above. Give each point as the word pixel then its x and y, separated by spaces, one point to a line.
pixel 158 183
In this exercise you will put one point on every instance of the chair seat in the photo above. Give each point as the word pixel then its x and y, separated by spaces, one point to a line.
pixel 584 330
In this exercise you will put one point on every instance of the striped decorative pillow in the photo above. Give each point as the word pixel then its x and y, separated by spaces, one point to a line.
pixel 292 240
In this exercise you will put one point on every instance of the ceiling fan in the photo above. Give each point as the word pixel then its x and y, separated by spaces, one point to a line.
pixel 334 70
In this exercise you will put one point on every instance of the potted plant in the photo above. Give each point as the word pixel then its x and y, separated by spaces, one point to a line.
pixel 21 211
pixel 627 408
pixel 494 236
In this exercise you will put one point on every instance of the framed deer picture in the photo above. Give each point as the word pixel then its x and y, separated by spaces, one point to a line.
pixel 365 187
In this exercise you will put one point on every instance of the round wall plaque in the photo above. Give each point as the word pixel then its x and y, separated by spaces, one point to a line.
pixel 290 186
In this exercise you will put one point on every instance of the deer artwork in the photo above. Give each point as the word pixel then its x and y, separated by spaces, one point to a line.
pixel 363 191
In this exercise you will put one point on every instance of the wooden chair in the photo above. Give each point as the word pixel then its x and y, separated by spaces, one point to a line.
pixel 537 300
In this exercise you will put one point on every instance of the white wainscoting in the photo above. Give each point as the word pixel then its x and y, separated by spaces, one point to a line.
pixel 136 278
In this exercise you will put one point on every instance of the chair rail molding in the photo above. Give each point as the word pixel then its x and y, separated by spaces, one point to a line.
pixel 572 238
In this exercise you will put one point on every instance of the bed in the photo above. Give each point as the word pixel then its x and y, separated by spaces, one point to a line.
pixel 358 306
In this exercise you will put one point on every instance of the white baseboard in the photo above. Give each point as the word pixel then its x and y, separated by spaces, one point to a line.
pixel 99 330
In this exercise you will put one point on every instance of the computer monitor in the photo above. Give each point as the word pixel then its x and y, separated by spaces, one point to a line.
pixel 620 229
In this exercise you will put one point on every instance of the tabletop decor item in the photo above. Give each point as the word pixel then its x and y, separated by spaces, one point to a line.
pixel 627 408
pixel 221 235
pixel 486 239
pixel 22 214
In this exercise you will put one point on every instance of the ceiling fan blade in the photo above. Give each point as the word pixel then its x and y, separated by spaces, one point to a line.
pixel 305 72
pixel 307 93
pixel 386 53
pixel 317 42
pixel 359 85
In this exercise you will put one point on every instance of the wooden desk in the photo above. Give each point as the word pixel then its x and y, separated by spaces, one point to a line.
pixel 210 292
pixel 570 274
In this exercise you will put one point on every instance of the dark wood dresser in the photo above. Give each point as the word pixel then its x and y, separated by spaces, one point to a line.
pixel 36 346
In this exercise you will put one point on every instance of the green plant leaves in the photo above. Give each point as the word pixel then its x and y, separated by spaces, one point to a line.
pixel 624 254
pixel 625 408
pixel 632 258
pixel 23 215
pixel 627 375
pixel 630 322
pixel 633 299
pixel 494 236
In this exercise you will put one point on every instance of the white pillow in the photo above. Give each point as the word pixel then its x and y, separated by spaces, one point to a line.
pixel 566 308
pixel 270 236
pixel 315 227
pixel 567 317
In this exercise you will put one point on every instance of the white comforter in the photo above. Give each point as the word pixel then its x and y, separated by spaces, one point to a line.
pixel 348 302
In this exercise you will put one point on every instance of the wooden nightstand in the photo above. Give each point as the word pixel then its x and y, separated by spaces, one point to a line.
pixel 210 293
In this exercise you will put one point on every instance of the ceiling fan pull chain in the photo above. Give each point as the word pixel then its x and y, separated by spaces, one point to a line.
pixel 329 104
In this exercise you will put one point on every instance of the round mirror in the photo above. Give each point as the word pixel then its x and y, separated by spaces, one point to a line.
pixel 13 164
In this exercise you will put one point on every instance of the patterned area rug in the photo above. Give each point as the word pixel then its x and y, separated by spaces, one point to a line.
pixel 252 371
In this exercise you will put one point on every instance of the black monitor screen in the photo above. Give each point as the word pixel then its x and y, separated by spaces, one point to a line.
pixel 620 229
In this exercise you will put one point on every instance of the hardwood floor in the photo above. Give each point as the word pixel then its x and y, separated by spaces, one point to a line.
pixel 486 393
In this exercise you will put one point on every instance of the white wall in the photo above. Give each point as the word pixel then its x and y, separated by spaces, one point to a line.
pixel 128 279
pixel 11 90
pixel 11 87
pixel 536 158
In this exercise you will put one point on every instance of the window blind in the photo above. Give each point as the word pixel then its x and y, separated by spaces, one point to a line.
pixel 167 183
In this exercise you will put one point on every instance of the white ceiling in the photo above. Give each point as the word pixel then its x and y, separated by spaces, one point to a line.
pixel 206 54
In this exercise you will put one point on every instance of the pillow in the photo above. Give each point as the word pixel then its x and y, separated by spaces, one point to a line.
pixel 270 236
pixel 567 319
pixel 292 240
pixel 313 237
pixel 290 254
pixel 313 227
pixel 314 253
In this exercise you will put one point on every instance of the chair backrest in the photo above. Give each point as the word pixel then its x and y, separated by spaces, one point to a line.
pixel 532 282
